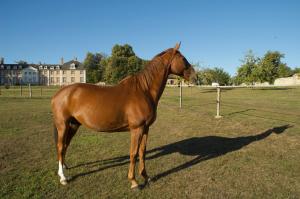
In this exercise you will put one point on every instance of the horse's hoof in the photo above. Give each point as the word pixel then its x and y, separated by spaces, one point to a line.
pixel 65 166
pixel 63 181
pixel 136 188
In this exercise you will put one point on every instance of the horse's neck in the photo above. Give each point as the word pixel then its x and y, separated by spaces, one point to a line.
pixel 159 75
pixel 158 85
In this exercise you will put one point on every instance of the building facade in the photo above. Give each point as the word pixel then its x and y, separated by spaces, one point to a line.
pixel 42 74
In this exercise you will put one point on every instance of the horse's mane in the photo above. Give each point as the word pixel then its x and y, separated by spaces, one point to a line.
pixel 145 77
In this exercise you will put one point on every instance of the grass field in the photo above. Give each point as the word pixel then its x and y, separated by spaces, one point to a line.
pixel 252 152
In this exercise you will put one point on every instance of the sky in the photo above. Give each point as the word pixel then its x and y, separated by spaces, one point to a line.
pixel 213 33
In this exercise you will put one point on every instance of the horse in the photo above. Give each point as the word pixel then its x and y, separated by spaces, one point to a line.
pixel 130 105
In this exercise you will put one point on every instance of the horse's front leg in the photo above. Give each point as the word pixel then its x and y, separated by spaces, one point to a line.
pixel 142 153
pixel 136 136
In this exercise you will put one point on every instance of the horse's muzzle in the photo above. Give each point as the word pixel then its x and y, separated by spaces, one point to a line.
pixel 190 75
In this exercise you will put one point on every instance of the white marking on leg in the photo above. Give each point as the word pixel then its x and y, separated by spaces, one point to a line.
pixel 60 172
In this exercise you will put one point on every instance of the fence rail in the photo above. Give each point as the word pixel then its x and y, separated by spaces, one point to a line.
pixel 27 91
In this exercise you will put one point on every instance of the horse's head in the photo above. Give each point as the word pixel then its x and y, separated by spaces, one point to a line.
pixel 181 67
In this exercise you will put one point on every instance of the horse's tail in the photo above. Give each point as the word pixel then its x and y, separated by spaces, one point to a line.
pixel 55 134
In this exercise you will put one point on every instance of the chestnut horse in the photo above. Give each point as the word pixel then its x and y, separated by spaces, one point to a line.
pixel 129 105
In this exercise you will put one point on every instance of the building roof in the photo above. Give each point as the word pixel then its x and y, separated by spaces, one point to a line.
pixel 66 66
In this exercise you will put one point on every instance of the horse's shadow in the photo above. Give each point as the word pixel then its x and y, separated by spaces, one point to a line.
pixel 201 148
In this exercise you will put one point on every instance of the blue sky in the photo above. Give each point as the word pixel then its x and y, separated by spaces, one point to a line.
pixel 213 32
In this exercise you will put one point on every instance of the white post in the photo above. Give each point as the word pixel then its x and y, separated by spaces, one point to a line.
pixel 218 102
pixel 30 91
pixel 180 95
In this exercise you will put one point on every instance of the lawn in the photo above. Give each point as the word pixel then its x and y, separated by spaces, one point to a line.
pixel 253 151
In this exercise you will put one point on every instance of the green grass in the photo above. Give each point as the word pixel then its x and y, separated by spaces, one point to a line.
pixel 190 153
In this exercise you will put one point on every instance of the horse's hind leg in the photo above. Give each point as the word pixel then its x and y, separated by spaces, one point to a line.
pixel 62 129
pixel 73 127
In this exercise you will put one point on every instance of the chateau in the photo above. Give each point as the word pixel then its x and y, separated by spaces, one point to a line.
pixel 42 74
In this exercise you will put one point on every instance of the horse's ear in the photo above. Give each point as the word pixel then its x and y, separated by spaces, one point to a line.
pixel 177 46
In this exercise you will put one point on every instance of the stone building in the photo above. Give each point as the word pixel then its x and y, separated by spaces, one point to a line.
pixel 42 74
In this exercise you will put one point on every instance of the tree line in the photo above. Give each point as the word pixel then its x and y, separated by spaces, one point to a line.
pixel 111 69
pixel 123 62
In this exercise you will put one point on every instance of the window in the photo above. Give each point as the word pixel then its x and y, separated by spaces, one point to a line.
pixel 57 80
pixel 25 73
pixel 64 80
pixel 51 67
pixel 81 79
pixel 57 72
pixel 51 80
pixel 64 72
pixel 40 67
pixel 51 72
pixel 72 66
pixel 57 67
pixel 81 72
pixel 72 72
pixel 29 73
pixel 72 79
pixel 45 67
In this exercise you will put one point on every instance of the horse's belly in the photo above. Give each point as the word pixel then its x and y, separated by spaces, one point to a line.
pixel 106 122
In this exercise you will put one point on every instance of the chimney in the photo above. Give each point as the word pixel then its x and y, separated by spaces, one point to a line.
pixel 1 60
pixel 62 61
pixel 75 58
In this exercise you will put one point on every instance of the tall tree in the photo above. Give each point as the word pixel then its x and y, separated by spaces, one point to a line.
pixel 94 69
pixel 269 66
pixel 121 63
pixel 248 72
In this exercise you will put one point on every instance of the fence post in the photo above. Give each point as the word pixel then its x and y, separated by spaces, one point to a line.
pixel 218 102
pixel 21 90
pixel 180 95
pixel 0 90
pixel 30 91
pixel 41 91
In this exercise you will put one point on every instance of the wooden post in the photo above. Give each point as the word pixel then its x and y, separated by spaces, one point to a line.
pixel 0 89
pixel 21 90
pixel 41 91
pixel 218 102
pixel 30 91
pixel 180 95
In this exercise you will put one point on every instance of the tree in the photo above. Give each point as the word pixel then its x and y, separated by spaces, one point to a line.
pixel 94 69
pixel 122 51
pixel 121 63
pixel 284 71
pixel 248 72
pixel 296 70
pixel 207 76
pixel 269 66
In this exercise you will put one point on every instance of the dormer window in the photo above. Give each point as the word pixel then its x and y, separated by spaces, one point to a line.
pixel 20 67
pixel 57 68
pixel 41 67
pixel 51 67
pixel 2 67
pixel 72 66
pixel 8 67
pixel 45 67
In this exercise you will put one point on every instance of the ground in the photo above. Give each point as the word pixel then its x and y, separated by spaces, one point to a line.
pixel 253 151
